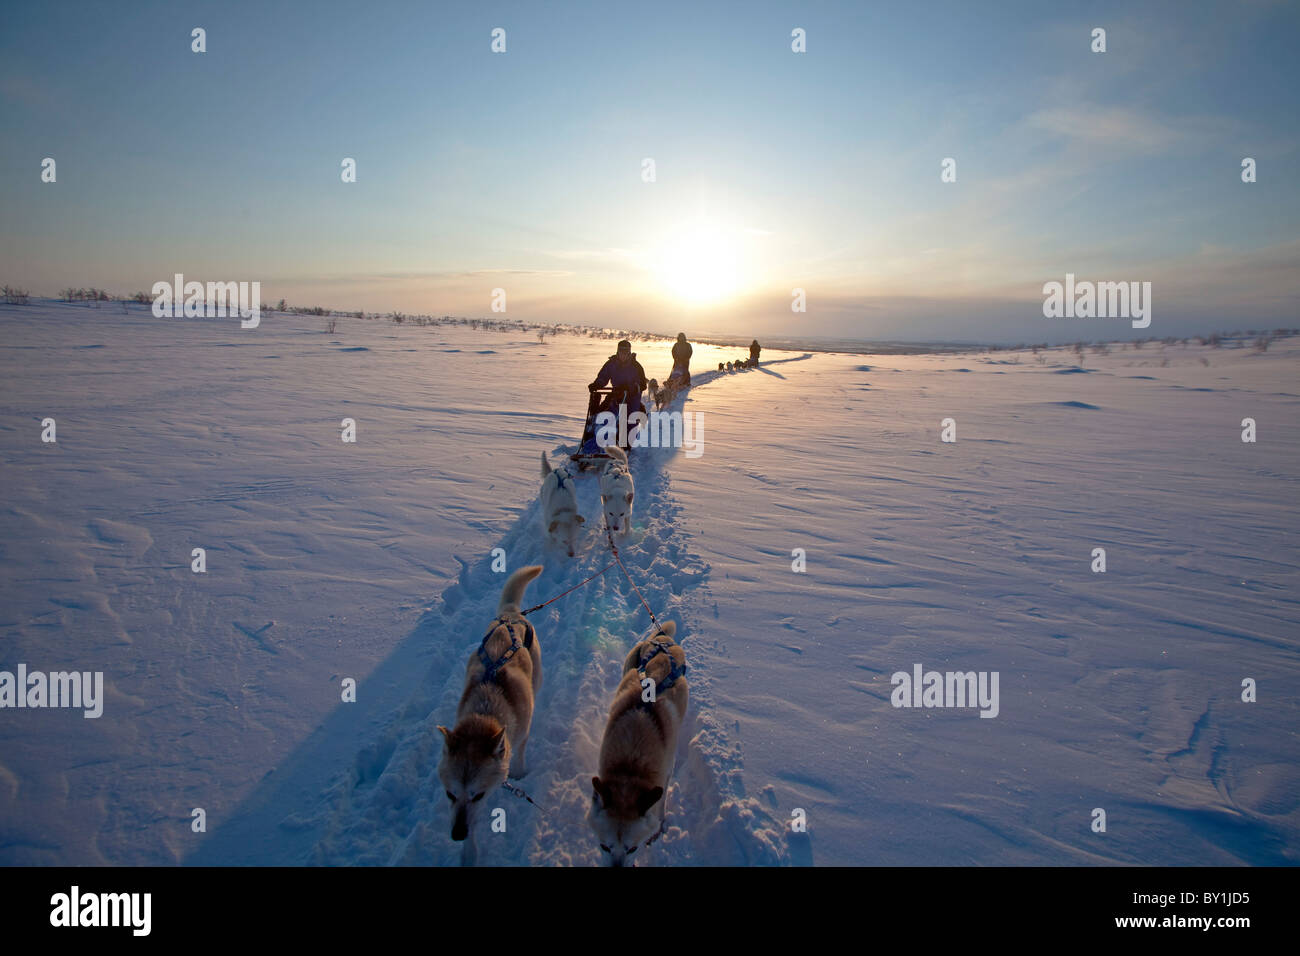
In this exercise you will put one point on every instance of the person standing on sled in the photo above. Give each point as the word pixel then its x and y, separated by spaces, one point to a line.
pixel 625 374
pixel 682 352
pixel 754 349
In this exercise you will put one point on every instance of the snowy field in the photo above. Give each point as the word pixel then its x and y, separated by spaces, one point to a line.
pixel 1119 690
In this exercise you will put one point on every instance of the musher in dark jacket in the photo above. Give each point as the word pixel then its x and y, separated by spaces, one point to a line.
pixel 627 377
pixel 754 349
pixel 682 352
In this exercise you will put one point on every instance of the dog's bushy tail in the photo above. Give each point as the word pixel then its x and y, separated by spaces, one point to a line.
pixel 512 595
pixel 618 454
pixel 546 466
pixel 667 628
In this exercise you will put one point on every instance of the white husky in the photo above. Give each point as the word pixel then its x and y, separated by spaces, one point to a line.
pixel 640 747
pixel 560 515
pixel 617 491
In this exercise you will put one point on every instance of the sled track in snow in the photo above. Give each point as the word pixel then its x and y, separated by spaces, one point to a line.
pixel 389 809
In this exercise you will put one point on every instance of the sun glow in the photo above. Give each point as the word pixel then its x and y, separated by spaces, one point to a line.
pixel 700 263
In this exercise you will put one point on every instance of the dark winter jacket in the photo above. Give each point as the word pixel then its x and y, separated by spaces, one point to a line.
pixel 682 352
pixel 630 377
pixel 754 349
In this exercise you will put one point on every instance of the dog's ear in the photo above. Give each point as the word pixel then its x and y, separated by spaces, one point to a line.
pixel 629 497
pixel 581 520
pixel 647 799
pixel 446 735
pixel 595 791
pixel 499 743
pixel 554 525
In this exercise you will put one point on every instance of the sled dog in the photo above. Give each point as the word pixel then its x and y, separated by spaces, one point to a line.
pixel 495 713
pixel 560 515
pixel 617 491
pixel 665 393
pixel 639 747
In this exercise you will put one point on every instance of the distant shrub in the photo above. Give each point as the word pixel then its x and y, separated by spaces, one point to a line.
pixel 1262 343
pixel 14 296
pixel 330 326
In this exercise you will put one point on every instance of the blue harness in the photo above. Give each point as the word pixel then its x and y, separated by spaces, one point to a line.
pixel 676 673
pixel 493 667
pixel 560 475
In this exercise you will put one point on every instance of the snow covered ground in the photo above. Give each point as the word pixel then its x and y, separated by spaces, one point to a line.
pixel 371 560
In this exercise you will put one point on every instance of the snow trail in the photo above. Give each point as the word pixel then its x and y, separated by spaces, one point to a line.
pixel 390 809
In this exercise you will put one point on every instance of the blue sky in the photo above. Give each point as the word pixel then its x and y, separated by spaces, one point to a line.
pixel 774 170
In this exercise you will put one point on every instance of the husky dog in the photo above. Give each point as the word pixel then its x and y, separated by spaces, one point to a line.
pixel 640 746
pixel 665 393
pixel 560 515
pixel 617 491
pixel 495 713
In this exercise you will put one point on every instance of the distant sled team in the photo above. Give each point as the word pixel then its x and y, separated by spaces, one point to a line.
pixel 751 362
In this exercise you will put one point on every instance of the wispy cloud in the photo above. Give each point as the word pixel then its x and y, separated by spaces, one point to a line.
pixel 1114 128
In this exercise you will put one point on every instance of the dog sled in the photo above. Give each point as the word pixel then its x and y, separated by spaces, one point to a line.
pixel 679 380
pixel 589 453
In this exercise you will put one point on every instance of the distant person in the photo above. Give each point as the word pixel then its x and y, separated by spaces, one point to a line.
pixel 754 349
pixel 682 352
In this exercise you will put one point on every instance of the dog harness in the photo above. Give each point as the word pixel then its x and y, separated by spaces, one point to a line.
pixel 493 667
pixel 676 673
pixel 560 476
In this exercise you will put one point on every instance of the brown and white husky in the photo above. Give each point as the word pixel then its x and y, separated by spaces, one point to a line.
pixel 495 713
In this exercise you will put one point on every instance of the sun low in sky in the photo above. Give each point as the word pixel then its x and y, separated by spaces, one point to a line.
pixel 701 263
